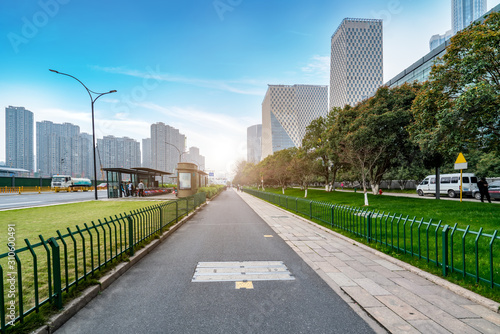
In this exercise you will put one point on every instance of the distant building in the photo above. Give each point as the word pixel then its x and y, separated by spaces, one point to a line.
pixel 19 138
pixel 254 143
pixel 167 144
pixel 119 152
pixel 194 156
pixel 437 40
pixel 356 63
pixel 146 152
pixel 287 111
pixel 463 12
pixel 62 149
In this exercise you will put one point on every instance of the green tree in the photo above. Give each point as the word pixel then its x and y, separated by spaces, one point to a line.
pixel 315 142
pixel 305 167
pixel 457 110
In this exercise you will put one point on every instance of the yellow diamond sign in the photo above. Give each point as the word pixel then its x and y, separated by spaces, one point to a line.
pixel 461 163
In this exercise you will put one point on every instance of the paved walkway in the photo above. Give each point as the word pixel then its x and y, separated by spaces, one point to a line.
pixel 402 298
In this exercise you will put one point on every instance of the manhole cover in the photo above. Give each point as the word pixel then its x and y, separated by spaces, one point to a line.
pixel 241 271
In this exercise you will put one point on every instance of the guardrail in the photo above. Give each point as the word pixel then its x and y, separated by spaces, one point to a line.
pixel 43 272
pixel 469 253
pixel 23 189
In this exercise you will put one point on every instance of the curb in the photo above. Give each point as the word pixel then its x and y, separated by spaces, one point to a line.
pixel 472 296
pixel 75 305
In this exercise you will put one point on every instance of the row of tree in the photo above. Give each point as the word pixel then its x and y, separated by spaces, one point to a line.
pixel 401 133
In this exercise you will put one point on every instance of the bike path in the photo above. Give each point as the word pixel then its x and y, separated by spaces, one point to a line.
pixel 158 294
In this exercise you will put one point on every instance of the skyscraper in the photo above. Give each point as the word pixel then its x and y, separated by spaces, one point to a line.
pixel 254 143
pixel 167 144
pixel 19 138
pixel 287 111
pixel 463 12
pixel 356 63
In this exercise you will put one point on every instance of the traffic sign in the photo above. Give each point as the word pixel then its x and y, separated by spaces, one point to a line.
pixel 461 163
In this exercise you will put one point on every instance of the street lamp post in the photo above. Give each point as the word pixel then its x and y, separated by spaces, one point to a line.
pixel 180 154
pixel 92 100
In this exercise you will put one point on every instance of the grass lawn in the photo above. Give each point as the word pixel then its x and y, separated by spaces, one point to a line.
pixel 475 214
pixel 31 222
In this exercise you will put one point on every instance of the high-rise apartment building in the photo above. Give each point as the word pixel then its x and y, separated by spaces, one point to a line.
pixel 62 149
pixel 356 63
pixel 19 138
pixel 254 143
pixel 167 144
pixel 118 152
pixel 194 156
pixel 287 111
pixel 463 12
pixel 146 152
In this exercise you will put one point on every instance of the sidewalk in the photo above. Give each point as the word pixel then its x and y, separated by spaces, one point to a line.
pixel 402 298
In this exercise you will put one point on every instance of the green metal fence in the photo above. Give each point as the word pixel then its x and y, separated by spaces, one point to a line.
pixel 469 253
pixel 42 272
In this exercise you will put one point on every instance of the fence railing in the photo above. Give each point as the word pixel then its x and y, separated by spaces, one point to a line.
pixel 469 253
pixel 42 272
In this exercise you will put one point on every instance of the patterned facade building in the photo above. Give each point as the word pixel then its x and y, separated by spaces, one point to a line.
pixel 287 111
pixel 463 12
pixel 19 147
pixel 254 143
pixel 356 62
pixel 167 145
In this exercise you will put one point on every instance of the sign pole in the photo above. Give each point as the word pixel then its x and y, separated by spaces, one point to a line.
pixel 461 164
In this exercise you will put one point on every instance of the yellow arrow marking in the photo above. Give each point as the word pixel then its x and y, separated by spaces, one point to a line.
pixel 460 159
pixel 268 236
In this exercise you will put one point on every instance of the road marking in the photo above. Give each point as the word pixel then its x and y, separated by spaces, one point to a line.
pixel 241 271
pixel 268 236
pixel 244 285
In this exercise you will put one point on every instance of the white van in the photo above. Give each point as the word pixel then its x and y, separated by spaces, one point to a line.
pixel 449 184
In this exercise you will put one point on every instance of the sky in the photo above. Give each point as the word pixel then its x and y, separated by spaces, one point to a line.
pixel 201 66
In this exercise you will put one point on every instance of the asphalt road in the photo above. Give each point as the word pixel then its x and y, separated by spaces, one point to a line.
pixel 158 296
pixel 27 200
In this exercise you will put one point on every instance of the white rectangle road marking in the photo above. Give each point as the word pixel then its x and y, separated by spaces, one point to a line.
pixel 241 271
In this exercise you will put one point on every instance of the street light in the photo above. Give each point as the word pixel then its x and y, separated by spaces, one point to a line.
pixel 92 100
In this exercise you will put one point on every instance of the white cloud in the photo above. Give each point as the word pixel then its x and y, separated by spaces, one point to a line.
pixel 245 87
pixel 318 66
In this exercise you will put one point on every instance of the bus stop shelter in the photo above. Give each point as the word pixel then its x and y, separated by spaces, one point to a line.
pixel 117 179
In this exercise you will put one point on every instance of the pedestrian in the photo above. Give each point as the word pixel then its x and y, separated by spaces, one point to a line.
pixel 122 190
pixel 342 185
pixel 130 189
pixel 483 189
pixel 141 189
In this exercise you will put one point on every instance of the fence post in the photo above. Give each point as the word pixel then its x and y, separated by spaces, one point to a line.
pixel 130 235
pixel 56 271
pixel 369 227
pixel 445 249
pixel 333 214
pixel 310 209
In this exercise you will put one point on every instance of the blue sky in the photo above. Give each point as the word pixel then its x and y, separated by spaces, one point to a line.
pixel 202 66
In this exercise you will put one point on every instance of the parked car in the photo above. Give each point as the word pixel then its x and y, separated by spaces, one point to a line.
pixel 102 186
pixel 493 189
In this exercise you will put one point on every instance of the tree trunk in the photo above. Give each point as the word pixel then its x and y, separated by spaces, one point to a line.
pixel 283 190
pixel 366 199
pixel 375 188
pixel 305 196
